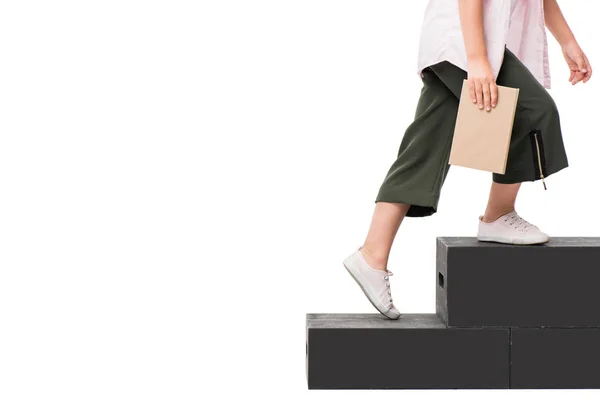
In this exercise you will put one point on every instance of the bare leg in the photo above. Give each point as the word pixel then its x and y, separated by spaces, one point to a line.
pixel 501 201
pixel 386 220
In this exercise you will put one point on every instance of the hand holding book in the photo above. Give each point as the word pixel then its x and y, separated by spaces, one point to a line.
pixel 482 139
pixel 482 84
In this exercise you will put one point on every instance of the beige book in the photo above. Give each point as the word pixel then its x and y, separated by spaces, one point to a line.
pixel 481 138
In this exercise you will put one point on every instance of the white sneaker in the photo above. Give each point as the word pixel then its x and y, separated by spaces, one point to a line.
pixel 374 283
pixel 510 229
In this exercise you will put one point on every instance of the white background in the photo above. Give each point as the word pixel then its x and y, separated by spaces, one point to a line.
pixel 180 181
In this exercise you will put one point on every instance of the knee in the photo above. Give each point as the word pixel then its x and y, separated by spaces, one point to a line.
pixel 547 107
pixel 542 111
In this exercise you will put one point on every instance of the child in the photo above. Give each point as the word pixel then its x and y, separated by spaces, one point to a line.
pixel 488 42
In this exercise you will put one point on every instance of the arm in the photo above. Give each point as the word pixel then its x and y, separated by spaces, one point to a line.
pixel 556 23
pixel 580 67
pixel 482 84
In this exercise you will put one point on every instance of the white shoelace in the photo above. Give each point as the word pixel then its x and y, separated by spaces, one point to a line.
pixel 519 223
pixel 387 284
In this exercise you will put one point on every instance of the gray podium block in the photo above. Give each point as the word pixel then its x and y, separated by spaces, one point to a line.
pixel 368 351
pixel 555 358
pixel 483 284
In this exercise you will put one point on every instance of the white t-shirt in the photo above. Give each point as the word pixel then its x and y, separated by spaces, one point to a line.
pixel 516 24
pixel 513 5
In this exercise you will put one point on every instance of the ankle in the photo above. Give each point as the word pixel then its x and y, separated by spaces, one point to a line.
pixel 374 259
pixel 493 215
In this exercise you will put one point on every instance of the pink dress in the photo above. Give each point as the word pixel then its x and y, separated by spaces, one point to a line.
pixel 517 24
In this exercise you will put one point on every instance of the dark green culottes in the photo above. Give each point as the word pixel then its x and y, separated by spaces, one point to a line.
pixel 417 175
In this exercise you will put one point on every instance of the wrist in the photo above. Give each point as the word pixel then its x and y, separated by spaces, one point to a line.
pixel 477 59
pixel 570 42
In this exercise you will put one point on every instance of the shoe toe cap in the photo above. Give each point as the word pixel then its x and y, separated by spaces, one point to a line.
pixel 543 237
pixel 535 237
pixel 392 313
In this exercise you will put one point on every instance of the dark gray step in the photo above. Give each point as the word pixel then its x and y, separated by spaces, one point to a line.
pixel 489 284
pixel 368 351
pixel 567 358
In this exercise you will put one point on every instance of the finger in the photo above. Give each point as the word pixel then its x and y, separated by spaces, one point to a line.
pixel 581 64
pixel 494 92
pixel 578 77
pixel 572 76
pixel 479 93
pixel 588 66
pixel 487 96
pixel 472 91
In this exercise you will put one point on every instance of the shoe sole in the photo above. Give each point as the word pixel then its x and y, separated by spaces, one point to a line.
pixel 366 294
pixel 509 241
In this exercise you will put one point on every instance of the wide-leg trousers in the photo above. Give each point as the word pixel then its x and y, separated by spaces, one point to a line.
pixel 536 149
